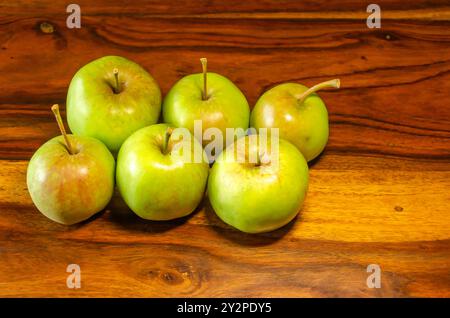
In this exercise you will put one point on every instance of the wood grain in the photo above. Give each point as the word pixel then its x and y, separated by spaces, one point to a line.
pixel 379 194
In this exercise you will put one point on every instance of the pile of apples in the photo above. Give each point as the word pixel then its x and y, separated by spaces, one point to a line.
pixel 113 108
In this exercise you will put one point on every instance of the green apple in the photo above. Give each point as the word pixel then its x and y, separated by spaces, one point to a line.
pixel 209 97
pixel 298 112
pixel 258 196
pixel 70 178
pixel 154 177
pixel 110 98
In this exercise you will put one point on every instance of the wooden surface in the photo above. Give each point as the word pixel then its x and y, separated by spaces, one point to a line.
pixel 379 194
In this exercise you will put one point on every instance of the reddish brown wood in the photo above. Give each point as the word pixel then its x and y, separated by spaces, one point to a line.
pixel 378 194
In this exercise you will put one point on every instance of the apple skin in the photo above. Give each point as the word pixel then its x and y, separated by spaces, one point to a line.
pixel 305 125
pixel 226 106
pixel 95 110
pixel 158 186
pixel 71 188
pixel 257 199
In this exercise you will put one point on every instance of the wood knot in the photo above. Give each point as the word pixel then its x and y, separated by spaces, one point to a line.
pixel 46 28
pixel 389 36
pixel 172 278
pixel 398 208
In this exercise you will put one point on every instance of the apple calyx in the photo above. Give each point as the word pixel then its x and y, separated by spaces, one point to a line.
pixel 116 87
pixel 204 62
pixel 165 146
pixel 335 83
pixel 55 110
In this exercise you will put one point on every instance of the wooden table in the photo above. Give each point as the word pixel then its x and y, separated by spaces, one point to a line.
pixel 379 194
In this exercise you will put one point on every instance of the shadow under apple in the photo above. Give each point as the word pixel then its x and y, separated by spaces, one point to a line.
pixel 123 216
pixel 242 238
pixel 316 161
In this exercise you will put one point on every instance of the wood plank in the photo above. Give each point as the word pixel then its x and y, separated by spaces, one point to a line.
pixel 342 205
pixel 36 265
pixel 378 75
pixel 236 9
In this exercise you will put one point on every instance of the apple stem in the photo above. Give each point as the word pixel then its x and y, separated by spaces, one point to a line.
pixel 55 110
pixel 335 83
pixel 166 139
pixel 259 158
pixel 116 76
pixel 204 62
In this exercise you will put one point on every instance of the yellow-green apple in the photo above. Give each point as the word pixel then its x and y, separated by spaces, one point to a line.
pixel 258 195
pixel 110 98
pixel 298 112
pixel 209 97
pixel 70 178
pixel 162 176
